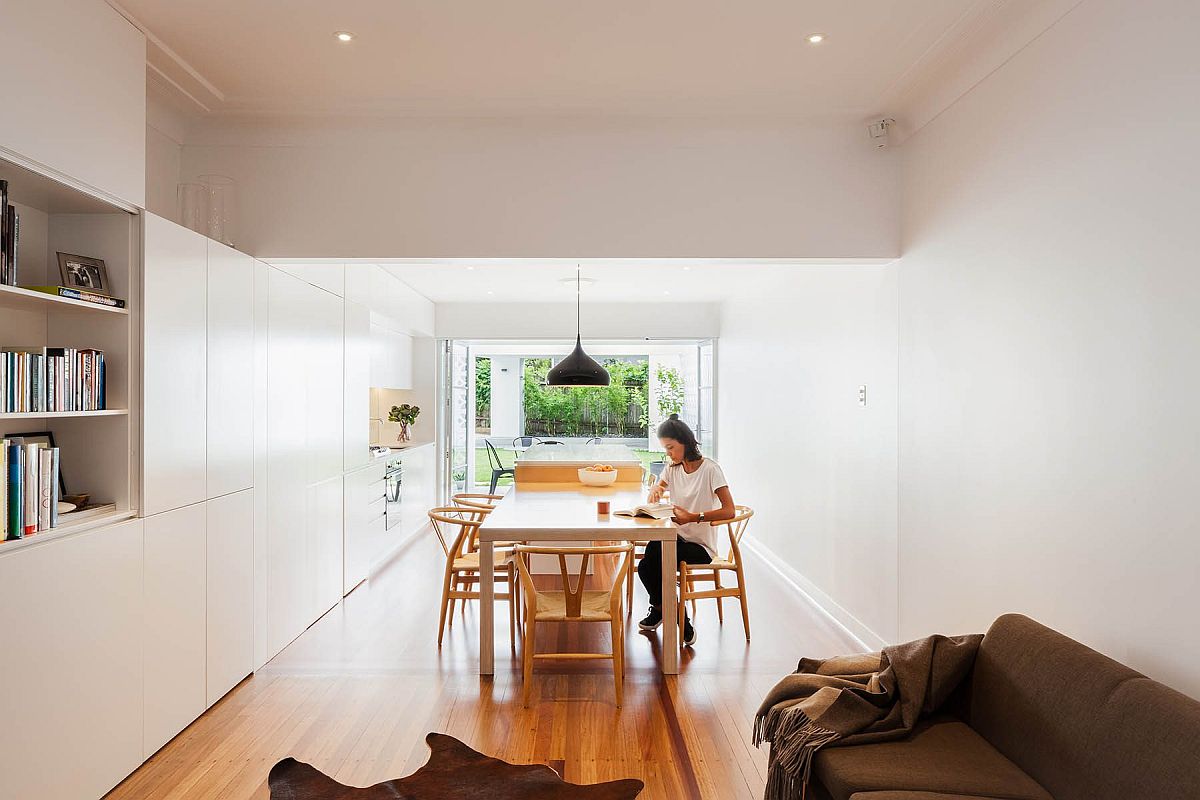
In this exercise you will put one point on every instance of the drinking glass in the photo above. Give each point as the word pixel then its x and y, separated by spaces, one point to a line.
pixel 222 201
pixel 193 206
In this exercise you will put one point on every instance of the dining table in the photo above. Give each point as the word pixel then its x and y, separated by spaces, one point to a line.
pixel 568 513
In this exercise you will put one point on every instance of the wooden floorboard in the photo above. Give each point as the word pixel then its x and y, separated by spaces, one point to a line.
pixel 356 694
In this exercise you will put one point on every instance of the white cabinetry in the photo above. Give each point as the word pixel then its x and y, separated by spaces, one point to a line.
pixel 304 452
pixel 418 492
pixel 363 522
pixel 174 383
pixel 67 61
pixel 391 358
pixel 230 592
pixel 230 369
pixel 356 403
pixel 324 530
pixel 174 609
pixel 71 664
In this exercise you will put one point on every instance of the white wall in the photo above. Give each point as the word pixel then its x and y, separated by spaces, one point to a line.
pixel 163 156
pixel 557 320
pixel 818 468
pixel 553 187
pixel 506 395
pixel 1050 443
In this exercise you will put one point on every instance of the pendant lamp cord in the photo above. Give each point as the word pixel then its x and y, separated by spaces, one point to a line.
pixel 578 301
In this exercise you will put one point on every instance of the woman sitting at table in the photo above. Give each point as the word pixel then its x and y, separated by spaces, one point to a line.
pixel 700 495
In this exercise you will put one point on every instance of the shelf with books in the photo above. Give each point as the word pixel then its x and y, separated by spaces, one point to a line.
pixel 21 299
pixel 106 412
pixel 79 360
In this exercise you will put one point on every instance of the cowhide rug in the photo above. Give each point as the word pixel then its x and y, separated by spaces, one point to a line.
pixel 453 772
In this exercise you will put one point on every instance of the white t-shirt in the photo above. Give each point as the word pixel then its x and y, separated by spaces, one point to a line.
pixel 696 492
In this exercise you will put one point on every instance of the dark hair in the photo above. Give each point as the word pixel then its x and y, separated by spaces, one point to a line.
pixel 675 428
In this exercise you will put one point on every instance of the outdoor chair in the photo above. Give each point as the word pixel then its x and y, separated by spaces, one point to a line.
pixel 498 468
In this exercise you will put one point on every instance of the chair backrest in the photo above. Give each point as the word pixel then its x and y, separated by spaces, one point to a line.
pixel 594 440
pixel 736 528
pixel 472 499
pixel 466 520
pixel 550 441
pixel 493 456
pixel 573 592
pixel 525 441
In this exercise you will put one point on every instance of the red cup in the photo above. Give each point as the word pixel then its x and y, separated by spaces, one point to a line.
pixel 602 506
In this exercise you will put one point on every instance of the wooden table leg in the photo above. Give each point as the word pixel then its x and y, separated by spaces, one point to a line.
pixel 487 608
pixel 670 608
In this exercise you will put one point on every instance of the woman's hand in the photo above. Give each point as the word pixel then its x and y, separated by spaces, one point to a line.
pixel 656 493
pixel 682 516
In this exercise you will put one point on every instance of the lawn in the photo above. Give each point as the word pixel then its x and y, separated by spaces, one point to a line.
pixel 483 470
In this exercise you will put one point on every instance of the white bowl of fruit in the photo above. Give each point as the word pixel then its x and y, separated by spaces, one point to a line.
pixel 598 475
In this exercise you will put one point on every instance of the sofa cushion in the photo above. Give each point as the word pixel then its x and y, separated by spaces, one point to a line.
pixel 1081 724
pixel 943 754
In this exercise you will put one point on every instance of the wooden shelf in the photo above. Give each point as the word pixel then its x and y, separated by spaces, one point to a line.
pixel 28 300
pixel 108 412
pixel 67 529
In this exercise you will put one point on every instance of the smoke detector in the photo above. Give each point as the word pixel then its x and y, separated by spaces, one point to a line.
pixel 880 129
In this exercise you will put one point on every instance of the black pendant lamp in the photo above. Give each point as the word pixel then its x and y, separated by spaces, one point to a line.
pixel 577 369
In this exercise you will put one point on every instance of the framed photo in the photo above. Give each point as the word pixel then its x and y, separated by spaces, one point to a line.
pixel 83 273
pixel 46 439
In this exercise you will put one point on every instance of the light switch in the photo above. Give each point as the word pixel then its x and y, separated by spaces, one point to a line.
pixel 862 395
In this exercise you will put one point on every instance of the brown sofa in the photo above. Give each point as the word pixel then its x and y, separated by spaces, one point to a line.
pixel 1041 718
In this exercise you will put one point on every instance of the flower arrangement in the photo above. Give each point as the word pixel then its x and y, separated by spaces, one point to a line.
pixel 406 415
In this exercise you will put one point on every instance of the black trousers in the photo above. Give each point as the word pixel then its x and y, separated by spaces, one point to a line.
pixel 650 567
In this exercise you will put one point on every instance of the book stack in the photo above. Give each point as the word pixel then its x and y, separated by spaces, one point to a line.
pixel 29 495
pixel 10 237
pixel 46 379
pixel 79 294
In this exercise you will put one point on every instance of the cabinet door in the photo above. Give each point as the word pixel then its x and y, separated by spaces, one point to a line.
pixel 262 278
pixel 229 592
pixel 174 319
pixel 401 351
pixel 230 451
pixel 71 664
pixel 288 584
pixel 174 620
pixel 323 316
pixel 355 547
pixel 417 496
pixel 325 521
pixel 356 425
pixel 87 56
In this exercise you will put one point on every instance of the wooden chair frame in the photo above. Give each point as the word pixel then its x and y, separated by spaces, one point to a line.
pixel 691 574
pixel 462 565
pixel 572 597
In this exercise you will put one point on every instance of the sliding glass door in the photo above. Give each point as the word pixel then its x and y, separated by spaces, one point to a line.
pixel 458 419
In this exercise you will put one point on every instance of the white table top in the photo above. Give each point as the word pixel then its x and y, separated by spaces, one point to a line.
pixel 582 455
pixel 567 512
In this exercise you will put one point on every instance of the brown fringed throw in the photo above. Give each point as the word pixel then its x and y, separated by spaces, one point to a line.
pixel 857 699
pixel 454 772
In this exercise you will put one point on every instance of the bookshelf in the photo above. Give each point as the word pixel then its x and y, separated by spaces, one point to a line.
pixel 98 449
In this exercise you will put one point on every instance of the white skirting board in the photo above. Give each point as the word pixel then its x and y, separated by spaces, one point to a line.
pixel 866 638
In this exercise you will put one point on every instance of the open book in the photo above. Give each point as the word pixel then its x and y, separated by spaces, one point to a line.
pixel 651 510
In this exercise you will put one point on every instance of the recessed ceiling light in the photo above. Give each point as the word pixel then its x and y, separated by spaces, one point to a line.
pixel 816 38
pixel 490 291
pixel 344 36
pixel 470 268
pixel 665 291
pixel 687 269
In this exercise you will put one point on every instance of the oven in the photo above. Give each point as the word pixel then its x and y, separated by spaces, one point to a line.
pixel 393 491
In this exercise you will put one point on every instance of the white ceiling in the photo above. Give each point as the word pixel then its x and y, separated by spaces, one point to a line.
pixel 483 57
pixel 613 281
